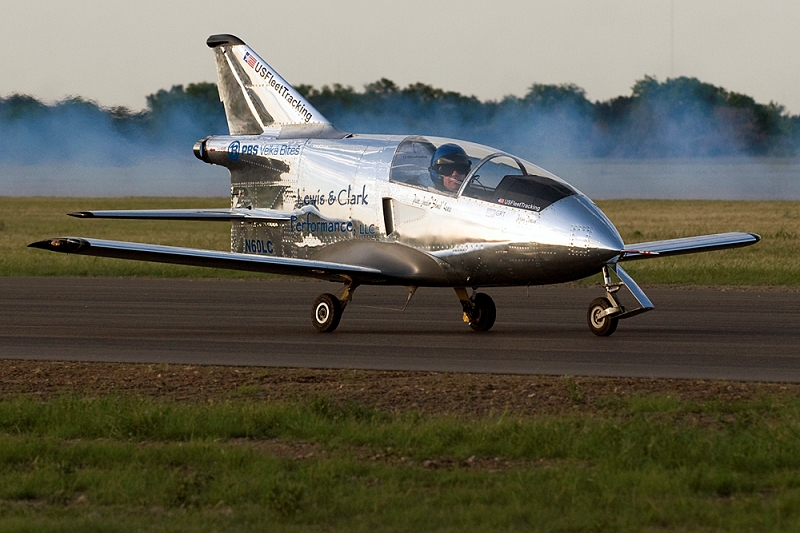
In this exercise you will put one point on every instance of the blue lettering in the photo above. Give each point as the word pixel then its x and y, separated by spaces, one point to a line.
pixel 346 197
pixel 322 226
pixel 258 246
pixel 346 193
pixel 312 199
pixel 233 150
pixel 271 149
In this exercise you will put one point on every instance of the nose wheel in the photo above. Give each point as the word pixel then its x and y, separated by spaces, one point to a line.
pixel 605 313
pixel 601 322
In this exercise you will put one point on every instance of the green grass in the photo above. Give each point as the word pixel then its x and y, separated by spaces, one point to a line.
pixel 771 262
pixel 25 220
pixel 650 463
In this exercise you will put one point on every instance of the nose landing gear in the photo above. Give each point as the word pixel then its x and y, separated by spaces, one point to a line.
pixel 604 313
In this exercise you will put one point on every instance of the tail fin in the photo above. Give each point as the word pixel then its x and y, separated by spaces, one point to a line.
pixel 257 99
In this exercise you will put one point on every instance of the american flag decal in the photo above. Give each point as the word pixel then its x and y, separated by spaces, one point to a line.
pixel 250 59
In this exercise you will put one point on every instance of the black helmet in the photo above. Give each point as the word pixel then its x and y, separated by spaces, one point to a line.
pixel 447 158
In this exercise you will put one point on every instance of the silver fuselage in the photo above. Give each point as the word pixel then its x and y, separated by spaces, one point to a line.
pixel 347 200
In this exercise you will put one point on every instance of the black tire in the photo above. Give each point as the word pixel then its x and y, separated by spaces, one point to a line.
pixel 326 313
pixel 604 326
pixel 484 313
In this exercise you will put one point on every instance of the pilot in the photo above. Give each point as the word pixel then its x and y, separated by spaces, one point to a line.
pixel 450 164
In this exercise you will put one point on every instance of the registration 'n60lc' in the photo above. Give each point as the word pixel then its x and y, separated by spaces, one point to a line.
pixel 308 199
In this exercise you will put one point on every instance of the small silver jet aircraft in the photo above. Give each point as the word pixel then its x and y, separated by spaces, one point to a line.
pixel 310 200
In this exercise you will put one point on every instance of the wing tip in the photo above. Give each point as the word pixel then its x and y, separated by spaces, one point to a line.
pixel 81 214
pixel 67 245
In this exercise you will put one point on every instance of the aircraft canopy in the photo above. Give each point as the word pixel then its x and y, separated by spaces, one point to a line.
pixel 494 176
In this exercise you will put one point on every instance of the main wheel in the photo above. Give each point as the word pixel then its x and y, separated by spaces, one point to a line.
pixel 484 312
pixel 327 313
pixel 601 326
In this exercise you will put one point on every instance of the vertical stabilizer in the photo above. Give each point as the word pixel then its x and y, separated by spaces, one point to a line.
pixel 256 97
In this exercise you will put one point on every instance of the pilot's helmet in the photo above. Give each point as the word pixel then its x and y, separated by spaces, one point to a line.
pixel 447 158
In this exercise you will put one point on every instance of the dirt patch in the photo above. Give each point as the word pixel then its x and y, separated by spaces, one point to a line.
pixel 425 392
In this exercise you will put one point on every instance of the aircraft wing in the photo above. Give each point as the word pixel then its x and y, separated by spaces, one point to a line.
pixel 222 215
pixel 208 258
pixel 688 245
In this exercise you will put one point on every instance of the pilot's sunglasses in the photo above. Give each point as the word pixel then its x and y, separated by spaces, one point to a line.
pixel 448 169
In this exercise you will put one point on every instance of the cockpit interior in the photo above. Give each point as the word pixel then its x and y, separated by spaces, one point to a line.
pixel 495 176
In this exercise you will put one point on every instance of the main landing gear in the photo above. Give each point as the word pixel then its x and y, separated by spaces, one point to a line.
pixel 479 310
pixel 328 309
pixel 605 313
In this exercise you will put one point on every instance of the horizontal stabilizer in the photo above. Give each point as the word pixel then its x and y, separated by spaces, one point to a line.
pixel 688 245
pixel 207 258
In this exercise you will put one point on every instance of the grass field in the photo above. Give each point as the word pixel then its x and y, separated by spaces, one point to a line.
pixel 771 262
pixel 651 462
pixel 25 220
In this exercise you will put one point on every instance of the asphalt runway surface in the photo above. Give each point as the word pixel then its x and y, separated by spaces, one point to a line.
pixel 693 333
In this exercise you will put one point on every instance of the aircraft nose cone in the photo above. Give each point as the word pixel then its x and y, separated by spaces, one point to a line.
pixel 604 234
pixel 583 226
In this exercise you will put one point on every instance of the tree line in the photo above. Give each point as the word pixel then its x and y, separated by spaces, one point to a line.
pixel 679 117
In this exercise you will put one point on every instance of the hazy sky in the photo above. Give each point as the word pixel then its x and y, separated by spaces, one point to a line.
pixel 119 52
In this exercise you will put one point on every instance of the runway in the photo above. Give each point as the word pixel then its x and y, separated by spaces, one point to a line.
pixel 692 333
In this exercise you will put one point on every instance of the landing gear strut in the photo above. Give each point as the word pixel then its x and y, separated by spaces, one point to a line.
pixel 479 311
pixel 604 313
pixel 328 309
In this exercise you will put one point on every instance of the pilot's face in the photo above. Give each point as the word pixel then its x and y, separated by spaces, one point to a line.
pixel 453 181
